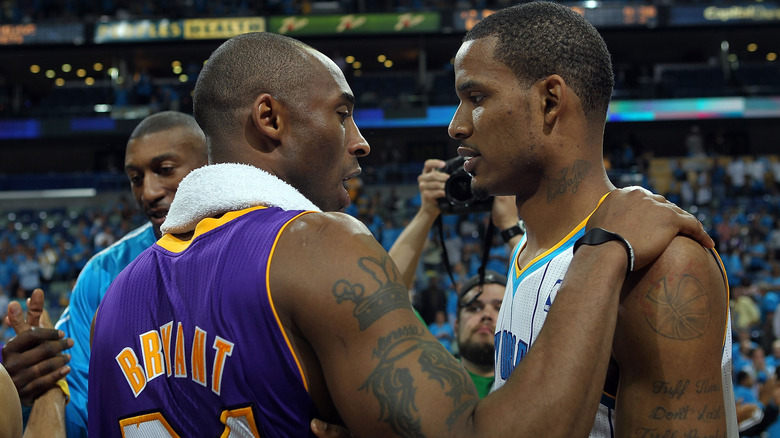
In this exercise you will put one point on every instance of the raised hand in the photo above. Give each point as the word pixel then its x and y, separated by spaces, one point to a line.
pixel 649 222
pixel 34 357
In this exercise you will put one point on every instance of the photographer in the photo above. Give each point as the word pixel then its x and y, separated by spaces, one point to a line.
pixel 406 250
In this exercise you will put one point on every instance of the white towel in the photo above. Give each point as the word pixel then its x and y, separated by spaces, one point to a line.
pixel 218 188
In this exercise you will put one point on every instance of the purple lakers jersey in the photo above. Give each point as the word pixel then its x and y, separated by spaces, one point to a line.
pixel 187 341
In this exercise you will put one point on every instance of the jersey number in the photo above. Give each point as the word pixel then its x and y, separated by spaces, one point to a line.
pixel 239 423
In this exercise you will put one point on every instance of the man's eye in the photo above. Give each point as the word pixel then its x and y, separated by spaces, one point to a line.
pixel 474 309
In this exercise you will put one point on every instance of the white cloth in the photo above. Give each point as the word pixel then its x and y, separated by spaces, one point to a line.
pixel 218 188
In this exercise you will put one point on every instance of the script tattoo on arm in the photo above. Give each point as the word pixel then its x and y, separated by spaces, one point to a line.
pixel 681 313
pixel 570 179
pixel 394 387
pixel 390 293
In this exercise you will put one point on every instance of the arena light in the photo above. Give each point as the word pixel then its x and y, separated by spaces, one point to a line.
pixel 35 68
pixel 102 108
pixel 59 82
pixel 752 47
pixel 388 63
pixel 381 58
pixel 771 56
pixel 97 66
pixel 81 72
pixel 357 64
pixel 50 74
pixel 48 194
pixel 350 59
pixel 66 68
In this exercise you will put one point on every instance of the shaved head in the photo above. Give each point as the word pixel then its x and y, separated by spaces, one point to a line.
pixel 241 69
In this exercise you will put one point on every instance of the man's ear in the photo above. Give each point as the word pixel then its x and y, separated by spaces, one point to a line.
pixel 269 116
pixel 553 89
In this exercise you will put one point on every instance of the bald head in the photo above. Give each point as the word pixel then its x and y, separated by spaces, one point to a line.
pixel 242 68
pixel 164 121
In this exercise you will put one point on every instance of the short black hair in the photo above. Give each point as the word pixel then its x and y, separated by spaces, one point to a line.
pixel 542 38
pixel 241 69
pixel 164 121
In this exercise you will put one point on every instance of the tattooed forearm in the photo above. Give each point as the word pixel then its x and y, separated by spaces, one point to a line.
pixel 392 381
pixel 570 179
pixel 681 312
pixel 389 294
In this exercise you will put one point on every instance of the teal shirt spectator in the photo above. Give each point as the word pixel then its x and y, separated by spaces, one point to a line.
pixel 76 320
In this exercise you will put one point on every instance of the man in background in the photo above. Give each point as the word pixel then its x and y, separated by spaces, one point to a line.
pixel 479 302
pixel 160 152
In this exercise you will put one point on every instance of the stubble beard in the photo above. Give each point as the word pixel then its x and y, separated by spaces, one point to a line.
pixel 479 192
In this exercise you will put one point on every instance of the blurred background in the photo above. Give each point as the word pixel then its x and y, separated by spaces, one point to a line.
pixel 695 116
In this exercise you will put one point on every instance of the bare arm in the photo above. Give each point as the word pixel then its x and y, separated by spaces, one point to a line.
pixel 10 408
pixel 504 215
pixel 34 358
pixel 388 376
pixel 47 418
pixel 407 249
pixel 668 346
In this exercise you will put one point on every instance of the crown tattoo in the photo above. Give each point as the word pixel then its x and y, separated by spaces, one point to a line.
pixel 390 294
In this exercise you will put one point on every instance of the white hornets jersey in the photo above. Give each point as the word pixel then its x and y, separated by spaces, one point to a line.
pixel 529 294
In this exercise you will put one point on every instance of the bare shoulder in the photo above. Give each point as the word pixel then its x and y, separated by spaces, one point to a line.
pixel 322 259
pixel 681 295
pixel 668 345
pixel 325 228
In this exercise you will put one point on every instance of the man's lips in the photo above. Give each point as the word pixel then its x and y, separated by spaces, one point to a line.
pixel 157 215
pixel 485 329
pixel 471 157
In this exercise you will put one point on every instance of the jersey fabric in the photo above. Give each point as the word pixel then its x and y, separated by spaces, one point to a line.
pixel 531 291
pixel 76 319
pixel 188 343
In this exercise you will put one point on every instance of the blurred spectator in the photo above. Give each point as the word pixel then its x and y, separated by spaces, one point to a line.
pixel 104 238
pixel 29 271
pixel 442 330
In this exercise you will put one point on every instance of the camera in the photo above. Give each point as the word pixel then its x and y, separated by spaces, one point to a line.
pixel 458 198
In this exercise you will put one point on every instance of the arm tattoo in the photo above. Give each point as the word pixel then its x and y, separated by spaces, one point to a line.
pixel 390 294
pixel 393 384
pixel 646 432
pixel 680 314
pixel 570 179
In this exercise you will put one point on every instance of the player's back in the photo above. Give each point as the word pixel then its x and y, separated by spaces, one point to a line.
pixel 187 341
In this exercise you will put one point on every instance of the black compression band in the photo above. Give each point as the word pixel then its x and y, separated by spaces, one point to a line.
pixel 597 236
